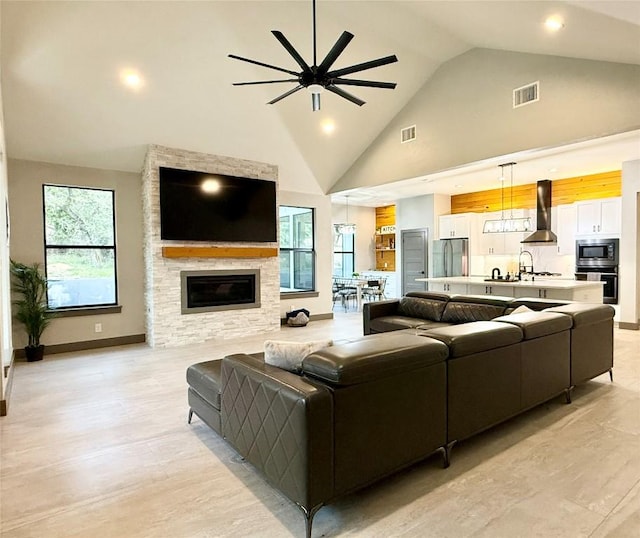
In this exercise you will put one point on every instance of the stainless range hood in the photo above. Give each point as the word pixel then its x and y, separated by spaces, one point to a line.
pixel 543 233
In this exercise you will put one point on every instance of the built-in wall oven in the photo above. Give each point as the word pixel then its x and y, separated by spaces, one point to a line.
pixel 597 259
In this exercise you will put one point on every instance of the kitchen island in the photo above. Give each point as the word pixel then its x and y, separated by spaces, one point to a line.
pixel 584 291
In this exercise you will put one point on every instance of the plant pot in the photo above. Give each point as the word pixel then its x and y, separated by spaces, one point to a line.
pixel 34 353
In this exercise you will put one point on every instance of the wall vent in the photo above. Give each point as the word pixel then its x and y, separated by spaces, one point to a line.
pixel 407 134
pixel 526 94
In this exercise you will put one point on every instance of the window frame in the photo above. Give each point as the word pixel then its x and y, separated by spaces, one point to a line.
pixel 344 253
pixel 295 250
pixel 88 308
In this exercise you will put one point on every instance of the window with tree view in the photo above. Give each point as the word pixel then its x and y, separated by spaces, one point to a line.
pixel 80 250
pixel 297 254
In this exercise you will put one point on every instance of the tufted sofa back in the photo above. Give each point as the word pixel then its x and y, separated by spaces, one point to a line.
pixel 467 308
pixel 428 308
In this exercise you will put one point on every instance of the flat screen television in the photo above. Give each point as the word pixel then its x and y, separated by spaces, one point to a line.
pixel 197 206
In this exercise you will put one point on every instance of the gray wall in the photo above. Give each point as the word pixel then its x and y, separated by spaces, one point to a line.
pixel 27 244
pixel 464 113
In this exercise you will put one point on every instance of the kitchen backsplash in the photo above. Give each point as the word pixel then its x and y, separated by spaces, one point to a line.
pixel 545 258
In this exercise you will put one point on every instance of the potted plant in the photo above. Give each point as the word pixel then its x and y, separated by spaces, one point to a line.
pixel 31 309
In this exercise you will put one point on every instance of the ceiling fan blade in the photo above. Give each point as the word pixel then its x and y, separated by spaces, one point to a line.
pixel 294 53
pixel 347 96
pixel 365 83
pixel 286 94
pixel 262 64
pixel 363 66
pixel 265 82
pixel 335 51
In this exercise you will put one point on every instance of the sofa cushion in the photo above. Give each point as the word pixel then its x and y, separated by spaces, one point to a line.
pixel 289 355
pixel 204 378
pixel 467 308
pixel 475 337
pixel 585 313
pixel 431 325
pixel 393 323
pixel 373 357
pixel 538 324
pixel 420 307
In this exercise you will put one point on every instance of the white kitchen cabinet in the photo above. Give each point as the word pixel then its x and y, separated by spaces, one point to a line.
pixel 454 226
pixel 599 217
pixel 566 228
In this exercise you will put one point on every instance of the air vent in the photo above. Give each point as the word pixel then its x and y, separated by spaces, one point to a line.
pixel 526 94
pixel 408 134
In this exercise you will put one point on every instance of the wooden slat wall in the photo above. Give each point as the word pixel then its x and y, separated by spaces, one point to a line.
pixel 564 191
pixel 385 216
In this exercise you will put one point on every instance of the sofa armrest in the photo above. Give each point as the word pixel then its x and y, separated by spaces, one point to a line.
pixel 282 424
pixel 377 309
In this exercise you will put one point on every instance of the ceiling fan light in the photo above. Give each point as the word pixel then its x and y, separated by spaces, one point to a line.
pixel 315 89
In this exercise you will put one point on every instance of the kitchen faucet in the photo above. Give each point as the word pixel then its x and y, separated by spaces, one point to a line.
pixel 523 268
pixel 493 273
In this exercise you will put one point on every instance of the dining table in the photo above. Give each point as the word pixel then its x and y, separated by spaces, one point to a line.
pixel 353 282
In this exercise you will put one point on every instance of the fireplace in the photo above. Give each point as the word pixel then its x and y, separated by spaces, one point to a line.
pixel 211 291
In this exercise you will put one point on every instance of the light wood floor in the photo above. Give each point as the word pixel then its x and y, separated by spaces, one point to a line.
pixel 96 445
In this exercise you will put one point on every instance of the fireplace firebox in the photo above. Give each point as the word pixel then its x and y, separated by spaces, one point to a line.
pixel 211 291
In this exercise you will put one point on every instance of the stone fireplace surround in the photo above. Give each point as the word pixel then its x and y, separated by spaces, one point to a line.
pixel 166 326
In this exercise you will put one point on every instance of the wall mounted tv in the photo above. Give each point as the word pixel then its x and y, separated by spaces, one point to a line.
pixel 197 206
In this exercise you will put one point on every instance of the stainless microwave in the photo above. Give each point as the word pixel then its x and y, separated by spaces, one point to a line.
pixel 597 252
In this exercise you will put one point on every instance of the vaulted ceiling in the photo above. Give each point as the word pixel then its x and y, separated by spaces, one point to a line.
pixel 64 101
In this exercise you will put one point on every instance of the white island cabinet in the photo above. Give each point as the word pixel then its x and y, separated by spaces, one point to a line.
pixel 447 287
pixel 489 288
pixel 566 290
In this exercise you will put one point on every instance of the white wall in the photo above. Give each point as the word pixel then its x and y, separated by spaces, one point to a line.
pixel 365 220
pixel 6 346
pixel 629 279
pixel 464 113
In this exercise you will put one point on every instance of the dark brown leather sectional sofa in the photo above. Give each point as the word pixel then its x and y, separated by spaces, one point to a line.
pixel 364 409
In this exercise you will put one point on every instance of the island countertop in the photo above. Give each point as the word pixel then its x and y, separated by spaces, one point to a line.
pixel 541 282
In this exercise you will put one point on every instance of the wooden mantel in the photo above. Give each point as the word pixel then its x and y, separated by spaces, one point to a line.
pixel 219 252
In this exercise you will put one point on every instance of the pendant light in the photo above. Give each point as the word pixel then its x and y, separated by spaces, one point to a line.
pixel 345 227
pixel 519 224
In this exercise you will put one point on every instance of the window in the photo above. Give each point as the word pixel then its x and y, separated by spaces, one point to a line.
pixel 80 250
pixel 343 255
pixel 297 254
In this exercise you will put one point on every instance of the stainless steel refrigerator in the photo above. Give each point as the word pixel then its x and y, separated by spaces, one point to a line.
pixel 451 257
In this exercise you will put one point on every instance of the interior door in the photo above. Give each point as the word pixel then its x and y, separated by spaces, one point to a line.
pixel 414 259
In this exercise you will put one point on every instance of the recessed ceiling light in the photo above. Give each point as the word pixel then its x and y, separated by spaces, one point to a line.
pixel 328 126
pixel 131 79
pixel 553 24
pixel 459 186
pixel 553 170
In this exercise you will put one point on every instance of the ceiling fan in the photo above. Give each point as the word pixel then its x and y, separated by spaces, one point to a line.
pixel 319 77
